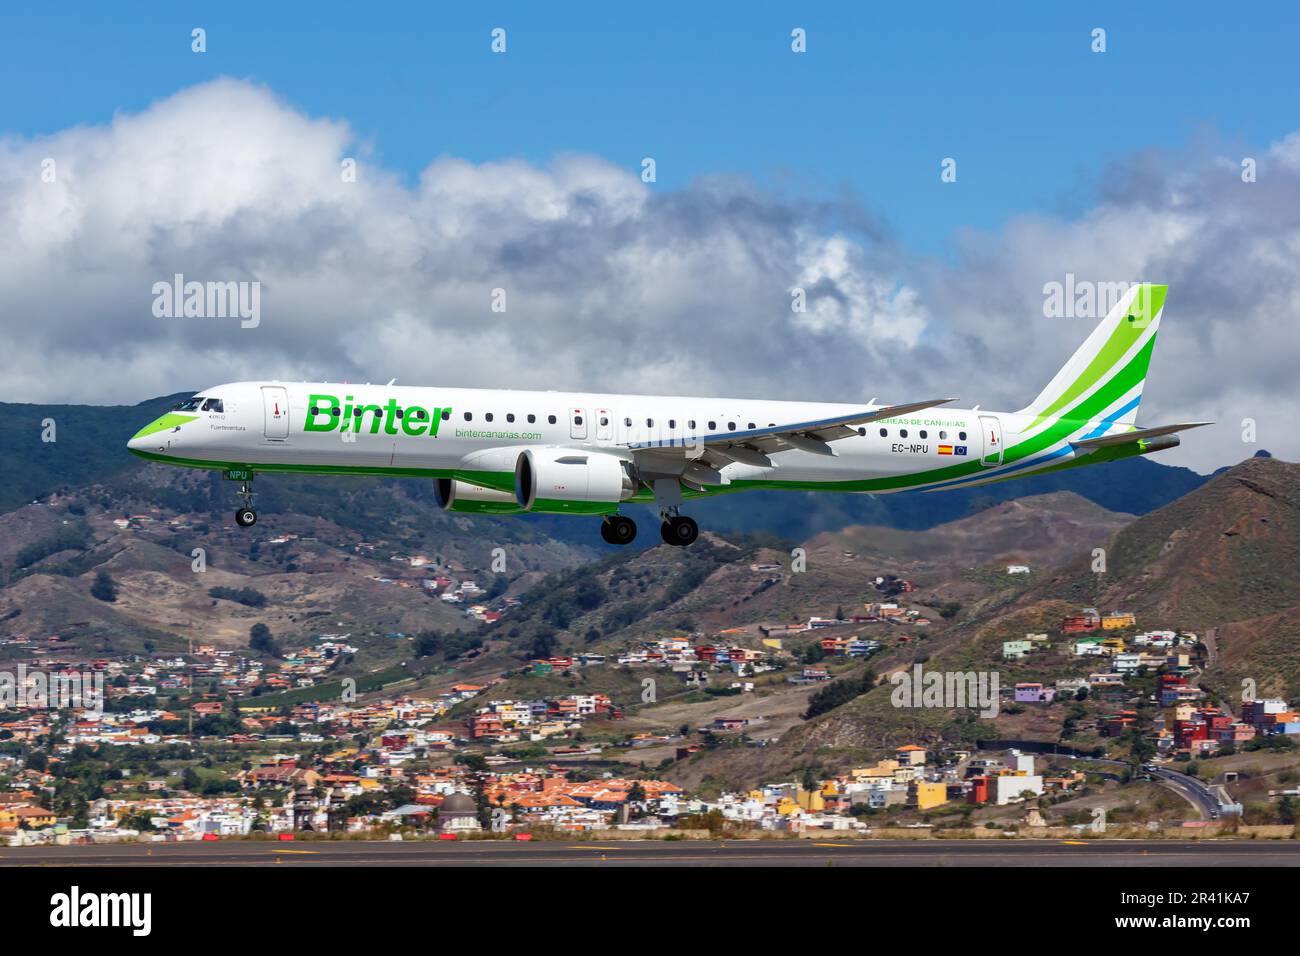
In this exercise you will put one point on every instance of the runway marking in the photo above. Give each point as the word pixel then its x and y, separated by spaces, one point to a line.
pixel 596 848
pixel 302 852
pixel 832 844
pixel 1073 843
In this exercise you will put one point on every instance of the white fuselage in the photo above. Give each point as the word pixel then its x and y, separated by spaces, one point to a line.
pixel 271 426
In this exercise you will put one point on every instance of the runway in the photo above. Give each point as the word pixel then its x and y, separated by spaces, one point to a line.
pixel 693 853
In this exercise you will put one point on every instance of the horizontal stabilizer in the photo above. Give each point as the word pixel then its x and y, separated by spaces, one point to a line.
pixel 1138 434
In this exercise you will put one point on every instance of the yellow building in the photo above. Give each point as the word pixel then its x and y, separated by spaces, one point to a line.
pixel 1117 619
pixel 930 794
pixel 1184 711
pixel 883 770
pixel 810 800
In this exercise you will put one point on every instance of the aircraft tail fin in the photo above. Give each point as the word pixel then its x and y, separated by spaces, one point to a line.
pixel 1104 378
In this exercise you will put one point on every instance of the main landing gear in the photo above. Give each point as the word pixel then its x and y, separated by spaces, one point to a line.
pixel 676 529
pixel 618 529
pixel 246 517
pixel 679 530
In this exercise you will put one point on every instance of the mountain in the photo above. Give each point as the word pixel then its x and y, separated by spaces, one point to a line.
pixel 1220 561
pixel 1228 551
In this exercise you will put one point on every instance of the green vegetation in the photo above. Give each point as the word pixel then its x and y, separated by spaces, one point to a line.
pixel 70 537
pixel 261 641
pixel 449 645
pixel 839 692
pixel 249 597
pixel 104 587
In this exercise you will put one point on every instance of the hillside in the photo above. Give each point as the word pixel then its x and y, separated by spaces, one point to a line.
pixel 326 568
pixel 1226 552
pixel 1221 562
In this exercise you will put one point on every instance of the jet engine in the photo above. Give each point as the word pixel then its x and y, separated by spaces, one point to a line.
pixel 565 480
pixel 466 498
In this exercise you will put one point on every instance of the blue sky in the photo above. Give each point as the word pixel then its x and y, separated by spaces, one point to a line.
pixel 481 171
pixel 1012 91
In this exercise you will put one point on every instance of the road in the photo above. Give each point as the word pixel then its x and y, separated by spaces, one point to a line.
pixel 693 853
pixel 1191 789
pixel 1200 795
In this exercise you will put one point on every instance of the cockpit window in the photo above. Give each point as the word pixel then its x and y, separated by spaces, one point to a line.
pixel 213 405
pixel 189 405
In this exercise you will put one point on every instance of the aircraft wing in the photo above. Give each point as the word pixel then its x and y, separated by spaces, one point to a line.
pixel 753 446
pixel 1138 434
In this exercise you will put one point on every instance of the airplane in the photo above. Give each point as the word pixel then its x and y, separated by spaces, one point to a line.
pixel 502 452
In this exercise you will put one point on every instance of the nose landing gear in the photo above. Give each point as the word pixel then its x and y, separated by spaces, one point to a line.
pixel 246 517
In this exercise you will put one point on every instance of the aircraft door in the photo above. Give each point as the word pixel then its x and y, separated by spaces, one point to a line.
pixel 991 426
pixel 275 402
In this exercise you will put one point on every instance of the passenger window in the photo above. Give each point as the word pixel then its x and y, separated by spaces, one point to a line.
pixel 672 423
pixel 334 412
pixel 942 435
pixel 469 416
pixel 446 414
pixel 577 419
pixel 510 416
pixel 649 423
pixel 627 423
pixel 400 412
pixel 862 432
pixel 751 426
pixel 713 426
pixel 691 424
pixel 961 436
pixel 923 433
pixel 604 421
pixel 531 418
pixel 488 417
pixel 551 419
pixel 902 433
pixel 731 426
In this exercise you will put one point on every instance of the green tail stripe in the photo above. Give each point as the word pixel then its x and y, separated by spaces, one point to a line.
pixel 1145 309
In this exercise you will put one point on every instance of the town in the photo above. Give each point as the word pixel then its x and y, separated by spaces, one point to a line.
pixel 225 760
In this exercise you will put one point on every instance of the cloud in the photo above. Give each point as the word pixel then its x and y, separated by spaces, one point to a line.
pixel 610 283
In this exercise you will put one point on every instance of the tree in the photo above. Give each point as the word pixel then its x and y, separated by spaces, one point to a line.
pixel 260 640
pixel 104 587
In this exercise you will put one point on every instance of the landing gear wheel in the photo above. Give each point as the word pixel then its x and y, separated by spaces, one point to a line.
pixel 245 517
pixel 618 529
pixel 679 530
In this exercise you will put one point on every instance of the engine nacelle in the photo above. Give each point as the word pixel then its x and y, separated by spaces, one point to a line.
pixel 466 498
pixel 571 481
